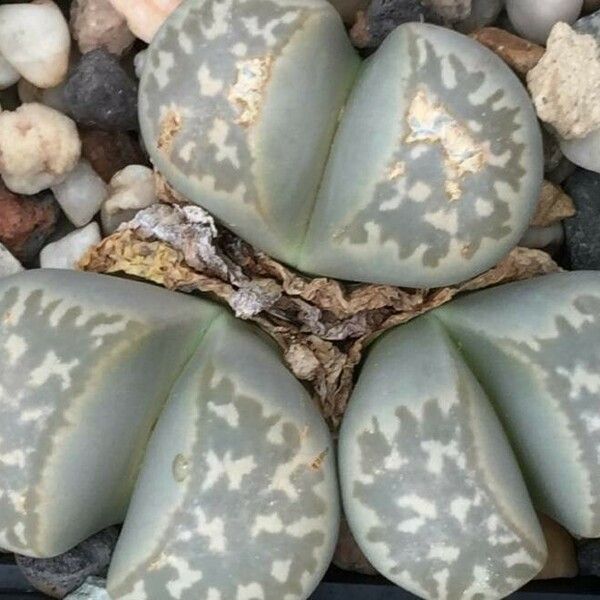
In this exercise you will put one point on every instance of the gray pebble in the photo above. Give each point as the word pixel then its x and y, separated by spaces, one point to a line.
pixel 582 232
pixel 94 588
pixel 99 93
pixel 62 574
pixel 588 557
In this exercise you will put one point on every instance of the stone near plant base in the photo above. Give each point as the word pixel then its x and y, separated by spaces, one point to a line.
pixel 349 9
pixel 431 204
pixel 38 148
pixel 35 40
pixel 588 557
pixel 564 85
pixel 584 152
pixel 430 486
pixel 553 155
pixel 9 265
pixel 81 194
pixel 130 190
pixel 139 62
pixel 94 588
pixel 99 93
pixel 447 11
pixel 66 252
pixel 62 574
pixel 483 13
pixel 237 496
pixel 548 352
pixel 589 24
pixel 564 169
pixel 581 230
pixel 52 97
pixel 520 55
pixel 91 360
pixel 562 559
pixel 96 24
pixel 144 17
pixel 8 76
pixel 549 238
pixel 534 20
pixel 110 151
pixel 381 17
pixel 26 222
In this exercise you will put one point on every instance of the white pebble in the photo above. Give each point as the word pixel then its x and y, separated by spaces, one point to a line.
pixel 543 237
pixel 68 251
pixel 81 194
pixel 38 148
pixel 139 62
pixel 35 40
pixel 9 265
pixel 52 97
pixel 130 190
pixel 8 76
pixel 534 19
pixel 584 152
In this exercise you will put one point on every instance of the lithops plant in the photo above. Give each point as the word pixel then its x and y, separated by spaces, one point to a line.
pixel 239 474
pixel 431 488
pixel 259 112
pixel 85 365
pixel 237 497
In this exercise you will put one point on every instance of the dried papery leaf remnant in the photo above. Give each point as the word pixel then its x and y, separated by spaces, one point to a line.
pixel 321 325
pixel 553 206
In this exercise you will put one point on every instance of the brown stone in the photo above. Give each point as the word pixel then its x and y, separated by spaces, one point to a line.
pixel 109 152
pixel 26 222
pixel 553 206
pixel 562 557
pixel 519 54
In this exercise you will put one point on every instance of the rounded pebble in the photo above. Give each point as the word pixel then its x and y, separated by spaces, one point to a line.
pixel 8 76
pixel 94 588
pixel 144 17
pixel 588 557
pixel 62 574
pixel 35 40
pixel 131 190
pixel 99 93
pixel 26 222
pixel 96 24
pixel 581 231
pixel 81 194
pixel 9 265
pixel 38 148
pixel 68 251
pixel 534 20
pixel 483 12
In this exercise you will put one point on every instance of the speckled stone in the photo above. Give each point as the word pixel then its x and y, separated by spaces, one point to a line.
pixel 61 575
pixel 381 17
pixel 94 588
pixel 110 151
pixel 26 222
pixel 582 231
pixel 99 93
pixel 588 557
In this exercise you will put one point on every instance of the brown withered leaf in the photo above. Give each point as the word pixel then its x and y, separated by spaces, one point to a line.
pixel 321 325
pixel 553 206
